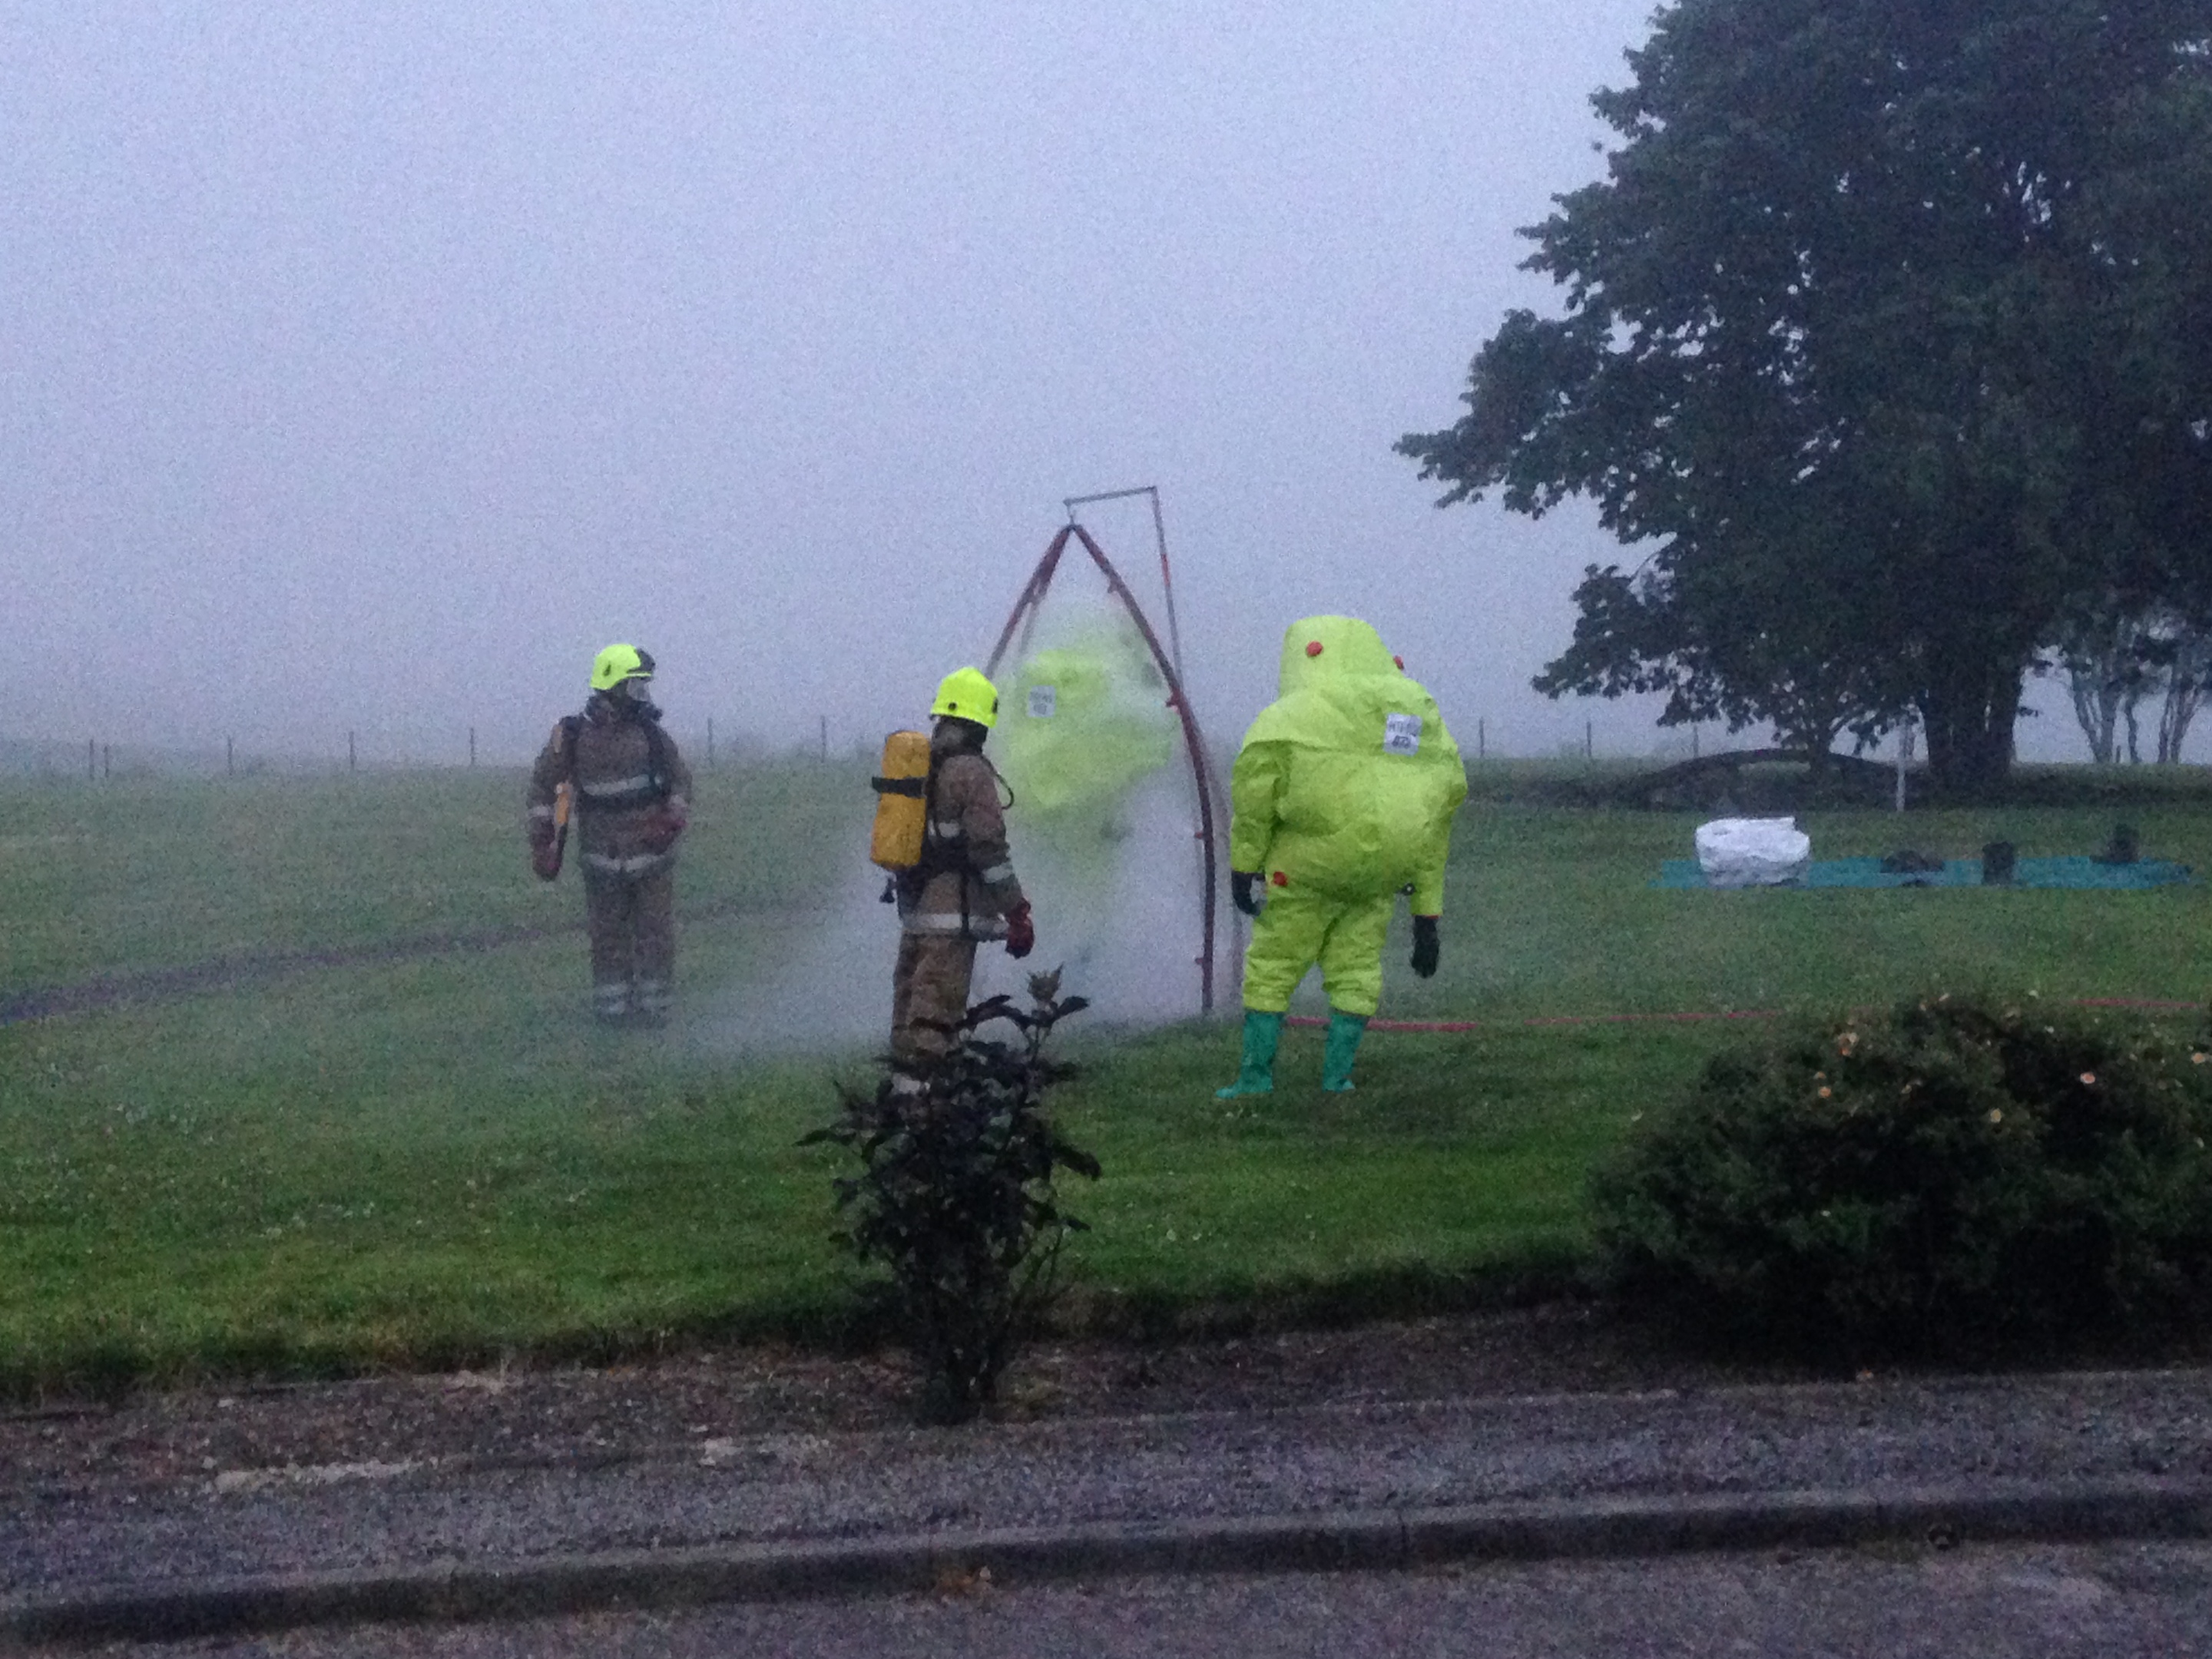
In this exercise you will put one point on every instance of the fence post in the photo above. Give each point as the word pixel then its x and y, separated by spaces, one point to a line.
pixel 710 743
pixel 352 763
pixel 230 757
pixel 472 749
pixel 1481 738
pixel 91 756
pixel 1590 740
pixel 825 737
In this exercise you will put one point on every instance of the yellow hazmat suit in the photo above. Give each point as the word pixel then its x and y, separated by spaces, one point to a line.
pixel 1343 793
pixel 1085 723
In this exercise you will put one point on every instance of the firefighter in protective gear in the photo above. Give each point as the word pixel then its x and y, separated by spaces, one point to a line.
pixel 1342 796
pixel 631 791
pixel 962 890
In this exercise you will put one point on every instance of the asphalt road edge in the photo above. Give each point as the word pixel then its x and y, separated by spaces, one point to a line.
pixel 1367 1539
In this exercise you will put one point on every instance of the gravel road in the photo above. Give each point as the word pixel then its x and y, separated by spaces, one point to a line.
pixel 756 1447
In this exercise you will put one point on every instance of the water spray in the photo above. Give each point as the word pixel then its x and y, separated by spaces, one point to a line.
pixel 1023 619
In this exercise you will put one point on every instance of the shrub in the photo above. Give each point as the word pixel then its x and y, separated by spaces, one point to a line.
pixel 1958 1179
pixel 954 1198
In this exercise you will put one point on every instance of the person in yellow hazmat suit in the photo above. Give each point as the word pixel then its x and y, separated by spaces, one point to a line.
pixel 1342 796
pixel 1087 723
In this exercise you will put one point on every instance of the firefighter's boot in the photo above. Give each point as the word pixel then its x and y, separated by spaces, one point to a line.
pixel 1344 1031
pixel 1256 1075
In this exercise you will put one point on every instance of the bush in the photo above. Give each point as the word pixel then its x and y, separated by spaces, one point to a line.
pixel 954 1198
pixel 1959 1179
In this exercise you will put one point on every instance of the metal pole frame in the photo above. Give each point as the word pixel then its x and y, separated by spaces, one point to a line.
pixel 1159 539
pixel 1027 606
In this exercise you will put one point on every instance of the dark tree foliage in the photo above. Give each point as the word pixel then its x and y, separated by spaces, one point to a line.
pixel 954 1196
pixel 1891 331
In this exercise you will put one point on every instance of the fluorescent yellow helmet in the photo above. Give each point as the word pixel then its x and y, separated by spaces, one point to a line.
pixel 966 695
pixel 618 662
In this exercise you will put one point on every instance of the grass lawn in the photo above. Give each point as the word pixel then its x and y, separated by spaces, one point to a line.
pixel 410 1161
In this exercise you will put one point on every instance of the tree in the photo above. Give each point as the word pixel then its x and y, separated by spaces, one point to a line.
pixel 2115 659
pixel 2188 678
pixel 2109 671
pixel 1887 332
pixel 1725 646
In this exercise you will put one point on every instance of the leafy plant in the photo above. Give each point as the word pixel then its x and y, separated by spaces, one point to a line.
pixel 954 1198
pixel 1959 1178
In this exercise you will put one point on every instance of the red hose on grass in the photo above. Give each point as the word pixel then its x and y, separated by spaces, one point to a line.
pixel 2159 1004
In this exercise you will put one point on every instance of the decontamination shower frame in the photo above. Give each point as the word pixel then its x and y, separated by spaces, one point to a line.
pixel 1028 606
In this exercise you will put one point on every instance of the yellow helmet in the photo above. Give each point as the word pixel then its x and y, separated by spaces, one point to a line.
pixel 618 662
pixel 964 694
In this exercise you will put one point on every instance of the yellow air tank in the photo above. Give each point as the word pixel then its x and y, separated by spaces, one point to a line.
pixel 900 808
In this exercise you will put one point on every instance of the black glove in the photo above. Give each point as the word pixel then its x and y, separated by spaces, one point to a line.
pixel 1241 884
pixel 1425 946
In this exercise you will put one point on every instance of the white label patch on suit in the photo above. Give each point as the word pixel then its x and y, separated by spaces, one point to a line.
pixel 1043 698
pixel 1401 734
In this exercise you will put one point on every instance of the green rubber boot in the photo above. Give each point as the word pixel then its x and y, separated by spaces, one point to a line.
pixel 1344 1031
pixel 1256 1076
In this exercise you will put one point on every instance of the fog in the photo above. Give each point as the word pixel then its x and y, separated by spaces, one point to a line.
pixel 1129 943
pixel 1111 857
pixel 368 366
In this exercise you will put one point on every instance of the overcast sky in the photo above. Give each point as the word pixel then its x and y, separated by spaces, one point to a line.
pixel 368 366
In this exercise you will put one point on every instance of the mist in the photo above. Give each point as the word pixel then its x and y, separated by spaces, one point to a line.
pixel 366 367
pixel 1129 942
pixel 1116 874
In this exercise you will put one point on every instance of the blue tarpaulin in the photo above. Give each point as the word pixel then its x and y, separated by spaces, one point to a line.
pixel 2069 871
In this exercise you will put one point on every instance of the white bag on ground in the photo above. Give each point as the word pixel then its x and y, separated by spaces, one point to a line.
pixel 1752 852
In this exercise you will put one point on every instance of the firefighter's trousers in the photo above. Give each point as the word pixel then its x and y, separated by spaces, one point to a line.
pixel 1299 928
pixel 929 993
pixel 633 922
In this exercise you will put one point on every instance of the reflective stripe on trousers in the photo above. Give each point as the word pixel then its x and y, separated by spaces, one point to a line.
pixel 638 865
pixel 633 924
pixel 941 924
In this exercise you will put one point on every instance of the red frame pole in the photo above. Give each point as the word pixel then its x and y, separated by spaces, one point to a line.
pixel 1032 597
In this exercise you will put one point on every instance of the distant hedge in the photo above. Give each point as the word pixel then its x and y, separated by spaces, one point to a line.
pixel 1962 1178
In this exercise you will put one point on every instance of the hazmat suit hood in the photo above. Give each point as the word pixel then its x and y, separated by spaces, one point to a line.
pixel 1320 648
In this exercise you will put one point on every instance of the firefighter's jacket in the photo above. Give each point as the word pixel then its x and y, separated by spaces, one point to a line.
pixel 1346 784
pixel 965 884
pixel 630 785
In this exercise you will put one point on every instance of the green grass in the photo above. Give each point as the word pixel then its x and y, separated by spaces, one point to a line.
pixel 417 1162
pixel 143 874
pixel 1552 912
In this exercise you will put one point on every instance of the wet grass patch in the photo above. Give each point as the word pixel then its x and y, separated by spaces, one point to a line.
pixel 426 1161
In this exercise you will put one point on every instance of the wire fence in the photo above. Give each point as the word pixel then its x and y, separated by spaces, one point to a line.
pixel 708 746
